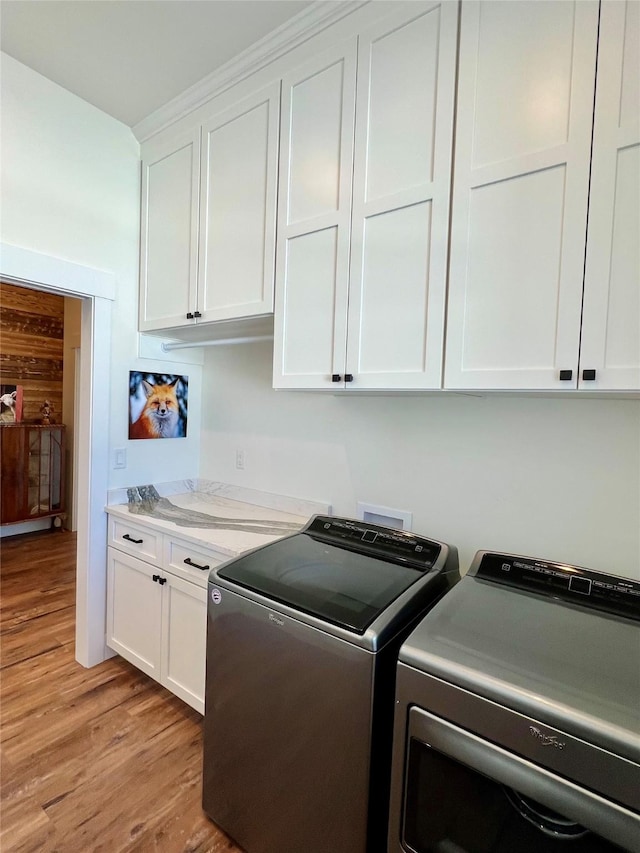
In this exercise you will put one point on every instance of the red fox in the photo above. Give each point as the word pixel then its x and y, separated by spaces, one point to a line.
pixel 159 417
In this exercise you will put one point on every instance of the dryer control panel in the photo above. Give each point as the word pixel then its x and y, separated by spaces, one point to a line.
pixel 557 580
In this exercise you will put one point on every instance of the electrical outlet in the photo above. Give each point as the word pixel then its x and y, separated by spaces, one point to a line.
pixel 240 459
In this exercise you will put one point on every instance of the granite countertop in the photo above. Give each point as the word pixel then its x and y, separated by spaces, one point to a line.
pixel 229 519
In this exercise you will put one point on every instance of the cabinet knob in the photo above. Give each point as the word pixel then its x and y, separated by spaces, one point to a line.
pixel 162 581
pixel 566 374
pixel 336 377
pixel 197 314
pixel 589 375
pixel 189 315
pixel 156 578
pixel 348 377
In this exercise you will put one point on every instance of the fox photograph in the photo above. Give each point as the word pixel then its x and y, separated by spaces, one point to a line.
pixel 157 405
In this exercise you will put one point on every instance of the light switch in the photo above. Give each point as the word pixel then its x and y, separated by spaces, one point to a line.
pixel 120 458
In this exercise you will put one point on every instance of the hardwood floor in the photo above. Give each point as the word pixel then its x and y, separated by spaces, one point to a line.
pixel 101 759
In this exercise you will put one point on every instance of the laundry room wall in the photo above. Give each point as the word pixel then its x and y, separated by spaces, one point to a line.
pixel 556 478
pixel 70 183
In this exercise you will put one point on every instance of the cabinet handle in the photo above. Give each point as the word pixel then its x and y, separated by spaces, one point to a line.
pixel 135 541
pixel 589 375
pixel 156 578
pixel 336 377
pixel 190 315
pixel 348 377
pixel 162 581
pixel 190 562
pixel 197 314
pixel 566 374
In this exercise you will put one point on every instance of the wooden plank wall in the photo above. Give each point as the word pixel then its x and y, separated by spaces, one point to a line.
pixel 31 347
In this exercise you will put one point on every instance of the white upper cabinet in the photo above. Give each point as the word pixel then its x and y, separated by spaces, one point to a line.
pixel 314 209
pixel 611 319
pixel 364 206
pixel 208 218
pixel 521 179
pixel 169 229
pixel 544 288
pixel 238 209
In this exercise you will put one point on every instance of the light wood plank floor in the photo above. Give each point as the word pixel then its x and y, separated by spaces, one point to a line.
pixel 101 759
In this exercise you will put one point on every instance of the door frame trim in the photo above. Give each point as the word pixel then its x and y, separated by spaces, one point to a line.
pixel 97 290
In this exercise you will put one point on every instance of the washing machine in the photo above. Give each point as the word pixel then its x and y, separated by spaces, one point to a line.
pixel 302 643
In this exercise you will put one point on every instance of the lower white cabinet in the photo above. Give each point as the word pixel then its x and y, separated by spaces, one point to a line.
pixel 158 622
pixel 183 640
pixel 134 611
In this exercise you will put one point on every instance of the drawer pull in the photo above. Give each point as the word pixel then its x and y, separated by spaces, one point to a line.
pixel 135 541
pixel 190 562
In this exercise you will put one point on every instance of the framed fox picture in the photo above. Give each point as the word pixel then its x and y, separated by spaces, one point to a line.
pixel 157 405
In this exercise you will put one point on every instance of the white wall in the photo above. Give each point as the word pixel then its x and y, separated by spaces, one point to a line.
pixel 552 478
pixel 70 189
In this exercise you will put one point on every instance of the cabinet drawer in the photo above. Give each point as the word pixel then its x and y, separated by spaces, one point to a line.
pixel 135 539
pixel 190 561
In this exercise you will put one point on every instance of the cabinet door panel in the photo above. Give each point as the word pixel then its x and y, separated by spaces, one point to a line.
pixel 611 319
pixel 184 640
pixel 402 174
pixel 400 60
pixel 393 310
pixel 134 607
pixel 309 308
pixel 525 106
pixel 312 267
pixel 168 269
pixel 315 140
pixel 238 192
pixel 514 235
pixel 523 85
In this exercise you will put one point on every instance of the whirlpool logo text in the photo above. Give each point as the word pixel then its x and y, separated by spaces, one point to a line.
pixel 546 740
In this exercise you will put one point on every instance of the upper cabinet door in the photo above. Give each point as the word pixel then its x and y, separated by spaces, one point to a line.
pixel 314 207
pixel 238 209
pixel 611 319
pixel 169 230
pixel 401 191
pixel 521 178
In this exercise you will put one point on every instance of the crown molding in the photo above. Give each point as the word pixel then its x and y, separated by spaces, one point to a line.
pixel 316 17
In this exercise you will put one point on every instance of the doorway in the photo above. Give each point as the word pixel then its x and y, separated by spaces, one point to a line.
pixel 96 289
pixel 40 350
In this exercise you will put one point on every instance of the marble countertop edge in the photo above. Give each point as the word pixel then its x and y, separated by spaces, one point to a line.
pixel 226 519
pixel 268 500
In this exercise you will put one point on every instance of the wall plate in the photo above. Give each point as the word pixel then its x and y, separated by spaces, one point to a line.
pixel 399 519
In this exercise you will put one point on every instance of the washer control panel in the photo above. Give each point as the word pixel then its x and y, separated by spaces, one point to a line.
pixel 398 546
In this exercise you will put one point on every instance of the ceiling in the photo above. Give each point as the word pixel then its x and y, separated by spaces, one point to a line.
pixel 130 57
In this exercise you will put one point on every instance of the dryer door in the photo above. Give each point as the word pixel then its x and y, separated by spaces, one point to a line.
pixel 467 795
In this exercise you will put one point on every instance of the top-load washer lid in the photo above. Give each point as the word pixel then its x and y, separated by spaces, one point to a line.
pixel 557 643
pixel 341 571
